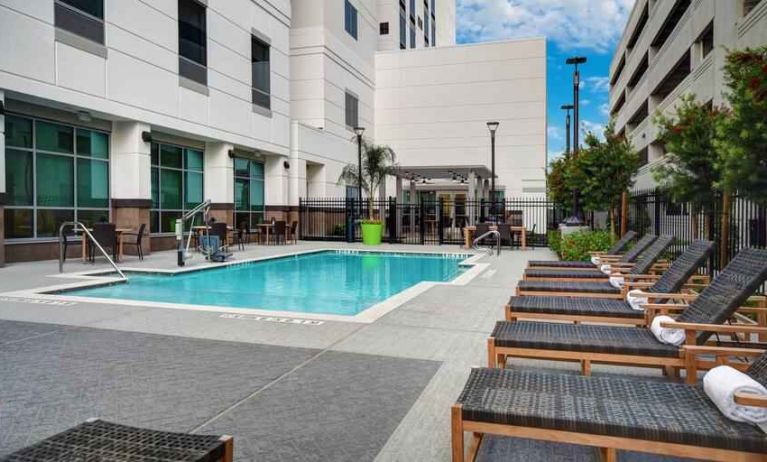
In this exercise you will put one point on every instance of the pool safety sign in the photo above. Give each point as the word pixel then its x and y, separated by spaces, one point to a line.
pixel 249 317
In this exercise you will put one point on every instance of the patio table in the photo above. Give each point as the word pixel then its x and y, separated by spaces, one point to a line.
pixel 120 232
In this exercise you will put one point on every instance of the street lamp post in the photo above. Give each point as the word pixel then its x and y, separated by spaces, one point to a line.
pixel 359 131
pixel 492 126
pixel 567 107
pixel 576 218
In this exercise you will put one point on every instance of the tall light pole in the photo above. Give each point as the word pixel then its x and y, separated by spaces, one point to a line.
pixel 576 218
pixel 492 126
pixel 359 131
pixel 567 107
pixel 575 61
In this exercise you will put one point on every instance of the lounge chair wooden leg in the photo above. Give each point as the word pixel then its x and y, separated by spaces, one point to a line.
pixel 691 368
pixel 586 367
pixel 492 357
pixel 228 455
pixel 456 426
pixel 476 441
pixel 608 454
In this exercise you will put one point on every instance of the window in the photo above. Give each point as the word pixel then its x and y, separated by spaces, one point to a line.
pixel 433 8
pixel 177 184
pixel 54 173
pixel 749 5
pixel 707 41
pixel 412 10
pixel 352 111
pixel 412 36
pixel 402 27
pixel 248 192
pixel 192 41
pixel 384 28
pixel 259 52
pixel 350 19
pixel 81 17
pixel 433 34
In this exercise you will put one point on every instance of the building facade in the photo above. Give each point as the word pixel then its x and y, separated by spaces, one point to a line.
pixel 134 111
pixel 671 48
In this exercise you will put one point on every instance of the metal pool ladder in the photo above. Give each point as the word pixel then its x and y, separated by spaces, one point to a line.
pixel 88 235
pixel 488 250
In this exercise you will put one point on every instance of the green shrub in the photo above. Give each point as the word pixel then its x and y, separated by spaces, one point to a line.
pixel 576 246
pixel 554 239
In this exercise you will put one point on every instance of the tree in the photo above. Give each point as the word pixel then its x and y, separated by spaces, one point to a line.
pixel 557 187
pixel 689 173
pixel 606 170
pixel 377 163
pixel 741 136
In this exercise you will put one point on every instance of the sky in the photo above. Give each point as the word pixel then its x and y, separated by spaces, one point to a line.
pixel 590 28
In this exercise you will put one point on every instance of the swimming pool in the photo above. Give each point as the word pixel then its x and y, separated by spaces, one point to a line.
pixel 327 282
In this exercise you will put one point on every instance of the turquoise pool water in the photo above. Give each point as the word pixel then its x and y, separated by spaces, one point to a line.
pixel 331 282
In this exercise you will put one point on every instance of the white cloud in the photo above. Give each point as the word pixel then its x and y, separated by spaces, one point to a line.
pixel 555 132
pixel 589 24
pixel 604 109
pixel 593 127
pixel 598 84
pixel 585 102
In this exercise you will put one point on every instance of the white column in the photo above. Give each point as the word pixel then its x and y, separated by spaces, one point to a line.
pixel 297 171
pixel 276 181
pixel 219 173
pixel 472 196
pixel 130 161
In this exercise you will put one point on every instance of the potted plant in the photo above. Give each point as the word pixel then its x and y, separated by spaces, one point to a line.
pixel 377 163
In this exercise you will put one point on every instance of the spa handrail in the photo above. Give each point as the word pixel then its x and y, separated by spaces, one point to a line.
pixel 88 235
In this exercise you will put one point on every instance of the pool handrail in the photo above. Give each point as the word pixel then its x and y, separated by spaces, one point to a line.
pixel 88 235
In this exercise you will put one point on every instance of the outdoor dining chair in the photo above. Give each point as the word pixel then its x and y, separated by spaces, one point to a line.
pixel 106 235
pixel 138 238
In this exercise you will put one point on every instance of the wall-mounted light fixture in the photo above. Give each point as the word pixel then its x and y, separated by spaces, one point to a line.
pixel 286 164
pixel 146 137
pixel 231 153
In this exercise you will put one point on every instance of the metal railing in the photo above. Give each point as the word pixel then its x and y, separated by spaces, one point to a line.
pixel 488 250
pixel 183 250
pixel 88 235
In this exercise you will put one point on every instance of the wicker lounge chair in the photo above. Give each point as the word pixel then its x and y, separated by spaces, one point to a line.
pixel 652 252
pixel 635 345
pixel 596 288
pixel 618 247
pixel 97 440
pixel 584 309
pixel 604 412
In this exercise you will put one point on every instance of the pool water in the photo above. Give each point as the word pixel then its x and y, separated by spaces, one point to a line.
pixel 328 282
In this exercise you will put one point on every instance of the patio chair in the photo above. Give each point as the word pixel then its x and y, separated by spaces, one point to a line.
pixel 221 230
pixel 293 232
pixel 138 238
pixel 242 236
pixel 637 346
pixel 650 255
pixel 582 309
pixel 596 286
pixel 619 246
pixel 67 233
pixel 106 235
pixel 98 440
pixel 279 230
pixel 505 231
pixel 609 413
pixel 481 229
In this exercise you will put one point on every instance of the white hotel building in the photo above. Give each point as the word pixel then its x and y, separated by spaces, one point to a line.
pixel 671 48
pixel 133 111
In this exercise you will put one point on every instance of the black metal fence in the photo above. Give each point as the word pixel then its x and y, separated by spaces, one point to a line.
pixel 651 211
pixel 430 222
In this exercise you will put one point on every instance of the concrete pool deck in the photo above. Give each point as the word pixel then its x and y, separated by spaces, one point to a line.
pixel 288 390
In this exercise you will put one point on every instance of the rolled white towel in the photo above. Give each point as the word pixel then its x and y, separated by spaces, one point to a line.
pixel 636 298
pixel 667 335
pixel 722 382
pixel 605 269
pixel 596 260
pixel 617 281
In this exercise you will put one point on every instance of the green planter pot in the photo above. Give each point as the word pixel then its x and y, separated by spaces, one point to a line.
pixel 371 233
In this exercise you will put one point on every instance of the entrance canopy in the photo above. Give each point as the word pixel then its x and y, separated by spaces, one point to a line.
pixel 443 172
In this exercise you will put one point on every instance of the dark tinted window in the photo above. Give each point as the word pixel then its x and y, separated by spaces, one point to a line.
pixel 81 17
pixel 350 19
pixel 384 28
pixel 352 111
pixel 260 72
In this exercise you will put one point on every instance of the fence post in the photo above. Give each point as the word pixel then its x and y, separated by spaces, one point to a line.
pixel 300 219
pixel 349 215
pixel 724 246
pixel 656 207
pixel 624 213
pixel 422 217
pixel 441 211
pixel 392 220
